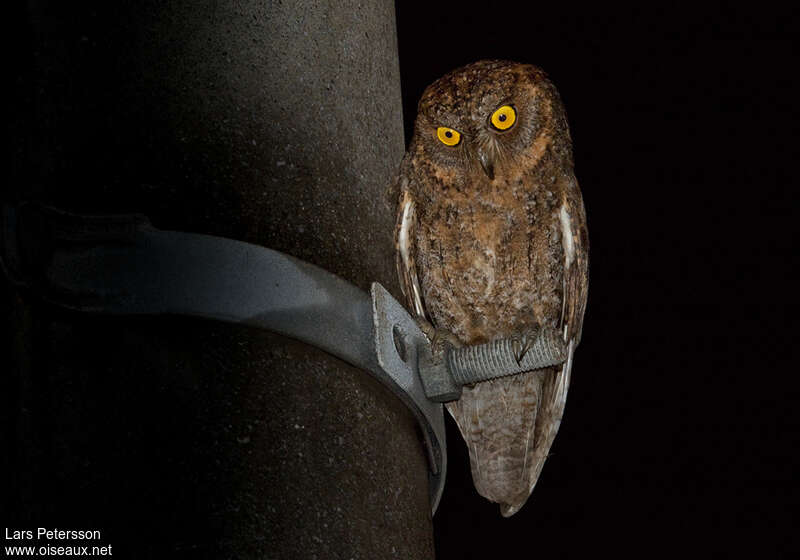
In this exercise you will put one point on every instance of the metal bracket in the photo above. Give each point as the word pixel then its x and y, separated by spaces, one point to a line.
pixel 121 265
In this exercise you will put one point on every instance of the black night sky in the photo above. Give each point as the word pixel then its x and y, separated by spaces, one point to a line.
pixel 677 437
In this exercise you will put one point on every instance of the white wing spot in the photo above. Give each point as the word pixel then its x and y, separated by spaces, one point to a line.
pixel 569 255
pixel 566 235
pixel 404 242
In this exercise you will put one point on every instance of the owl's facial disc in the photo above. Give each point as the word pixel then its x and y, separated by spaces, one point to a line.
pixel 490 119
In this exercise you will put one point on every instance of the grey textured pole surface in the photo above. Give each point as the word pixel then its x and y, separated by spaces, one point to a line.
pixel 273 123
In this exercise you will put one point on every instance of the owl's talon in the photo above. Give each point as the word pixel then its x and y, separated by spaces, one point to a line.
pixel 442 336
pixel 427 328
pixel 522 343
pixel 440 339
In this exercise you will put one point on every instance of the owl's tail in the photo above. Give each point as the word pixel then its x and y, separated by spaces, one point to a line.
pixel 507 510
pixel 509 425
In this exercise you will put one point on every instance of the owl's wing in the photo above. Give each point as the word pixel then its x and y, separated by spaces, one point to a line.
pixel 575 246
pixel 575 242
pixel 405 243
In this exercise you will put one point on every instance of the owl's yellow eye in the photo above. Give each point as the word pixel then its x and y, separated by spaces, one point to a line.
pixel 448 136
pixel 504 117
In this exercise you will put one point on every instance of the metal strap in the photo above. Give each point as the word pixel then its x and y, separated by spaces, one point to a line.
pixel 122 265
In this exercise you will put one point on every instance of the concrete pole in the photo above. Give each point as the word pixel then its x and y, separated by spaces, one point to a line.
pixel 276 123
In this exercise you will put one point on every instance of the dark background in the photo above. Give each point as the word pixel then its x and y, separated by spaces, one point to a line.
pixel 679 433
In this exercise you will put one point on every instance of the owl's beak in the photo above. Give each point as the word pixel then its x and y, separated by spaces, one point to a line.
pixel 487 163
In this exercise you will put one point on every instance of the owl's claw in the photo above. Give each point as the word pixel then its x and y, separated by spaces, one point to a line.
pixel 522 343
pixel 440 339
pixel 427 328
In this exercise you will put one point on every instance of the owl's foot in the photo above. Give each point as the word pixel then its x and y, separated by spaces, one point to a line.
pixel 523 342
pixel 440 339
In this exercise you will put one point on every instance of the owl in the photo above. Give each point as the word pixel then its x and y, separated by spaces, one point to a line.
pixel 492 243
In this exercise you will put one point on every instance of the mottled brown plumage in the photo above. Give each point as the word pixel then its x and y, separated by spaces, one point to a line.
pixel 492 243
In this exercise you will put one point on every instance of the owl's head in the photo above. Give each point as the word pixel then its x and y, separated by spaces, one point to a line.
pixel 490 120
